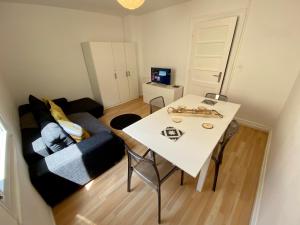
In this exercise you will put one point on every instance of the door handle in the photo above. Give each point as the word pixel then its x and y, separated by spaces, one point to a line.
pixel 129 73
pixel 218 76
pixel 116 76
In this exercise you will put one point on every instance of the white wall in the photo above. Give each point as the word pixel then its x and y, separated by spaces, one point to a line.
pixel 280 198
pixel 268 60
pixel 26 203
pixel 264 63
pixel 41 52
pixel 165 40
pixel 133 33
pixel 211 7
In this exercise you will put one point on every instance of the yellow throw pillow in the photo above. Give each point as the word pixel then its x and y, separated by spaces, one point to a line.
pixel 57 112
pixel 74 130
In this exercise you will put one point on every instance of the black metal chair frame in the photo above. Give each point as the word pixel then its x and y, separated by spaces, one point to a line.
pixel 223 142
pixel 131 168
pixel 218 160
pixel 229 133
pixel 151 103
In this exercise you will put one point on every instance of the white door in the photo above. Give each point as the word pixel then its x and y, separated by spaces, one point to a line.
pixel 131 65
pixel 120 71
pixel 104 66
pixel 210 48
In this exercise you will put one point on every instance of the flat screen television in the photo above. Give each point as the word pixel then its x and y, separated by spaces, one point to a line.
pixel 161 75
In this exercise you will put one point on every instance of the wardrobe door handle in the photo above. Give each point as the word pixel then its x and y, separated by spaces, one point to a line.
pixel 116 76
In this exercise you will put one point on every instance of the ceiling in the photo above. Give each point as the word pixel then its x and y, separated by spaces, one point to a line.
pixel 103 6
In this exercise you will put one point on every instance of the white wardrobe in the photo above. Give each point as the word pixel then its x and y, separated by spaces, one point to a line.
pixel 112 69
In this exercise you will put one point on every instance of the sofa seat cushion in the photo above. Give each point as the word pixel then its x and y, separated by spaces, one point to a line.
pixel 78 163
pixel 88 122
pixel 60 174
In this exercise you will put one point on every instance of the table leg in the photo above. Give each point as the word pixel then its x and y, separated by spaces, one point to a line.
pixel 203 174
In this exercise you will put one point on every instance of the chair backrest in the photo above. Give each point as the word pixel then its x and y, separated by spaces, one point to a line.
pixel 156 104
pixel 231 131
pixel 223 98
pixel 144 167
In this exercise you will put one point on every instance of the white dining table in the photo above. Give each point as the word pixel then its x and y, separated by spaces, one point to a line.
pixel 193 150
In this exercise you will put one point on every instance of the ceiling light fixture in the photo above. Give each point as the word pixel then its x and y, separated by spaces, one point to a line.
pixel 131 4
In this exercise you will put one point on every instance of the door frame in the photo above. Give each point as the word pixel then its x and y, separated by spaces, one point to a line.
pixel 241 15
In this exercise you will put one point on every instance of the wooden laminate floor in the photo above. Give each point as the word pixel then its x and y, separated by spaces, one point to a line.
pixel 106 201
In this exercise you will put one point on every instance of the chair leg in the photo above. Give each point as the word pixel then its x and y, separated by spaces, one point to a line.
pixel 221 155
pixel 182 177
pixel 148 150
pixel 221 158
pixel 159 205
pixel 129 179
pixel 217 167
pixel 153 157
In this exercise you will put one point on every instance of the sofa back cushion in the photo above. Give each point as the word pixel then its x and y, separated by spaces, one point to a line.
pixel 27 120
pixel 52 134
pixel 40 112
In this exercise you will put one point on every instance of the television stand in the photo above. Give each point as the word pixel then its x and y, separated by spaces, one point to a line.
pixel 170 93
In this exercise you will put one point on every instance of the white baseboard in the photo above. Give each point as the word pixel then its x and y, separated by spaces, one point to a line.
pixel 259 191
pixel 253 124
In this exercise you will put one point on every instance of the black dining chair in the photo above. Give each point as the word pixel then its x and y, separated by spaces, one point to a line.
pixel 151 173
pixel 156 104
pixel 218 153
pixel 231 130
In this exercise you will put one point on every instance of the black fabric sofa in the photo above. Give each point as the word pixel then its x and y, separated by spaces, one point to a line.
pixel 57 175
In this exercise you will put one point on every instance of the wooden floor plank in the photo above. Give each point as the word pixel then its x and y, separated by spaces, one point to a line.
pixel 105 200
